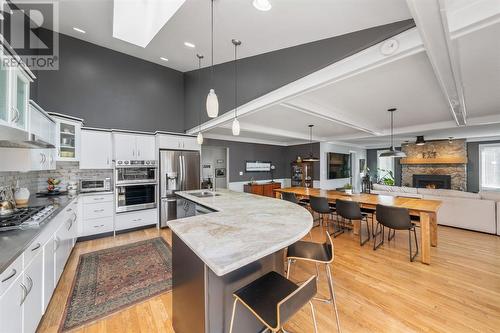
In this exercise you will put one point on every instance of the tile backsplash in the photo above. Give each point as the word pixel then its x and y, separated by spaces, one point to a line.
pixel 36 181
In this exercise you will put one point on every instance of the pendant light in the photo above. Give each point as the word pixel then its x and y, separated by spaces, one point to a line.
pixel 199 137
pixel 311 157
pixel 212 100
pixel 236 123
pixel 392 152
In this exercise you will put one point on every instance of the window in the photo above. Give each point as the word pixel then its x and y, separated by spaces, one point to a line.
pixel 489 161
pixel 385 168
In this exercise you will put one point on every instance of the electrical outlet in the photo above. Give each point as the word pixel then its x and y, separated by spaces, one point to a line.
pixel 241 173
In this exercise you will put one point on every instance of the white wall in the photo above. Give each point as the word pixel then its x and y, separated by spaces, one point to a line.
pixel 328 184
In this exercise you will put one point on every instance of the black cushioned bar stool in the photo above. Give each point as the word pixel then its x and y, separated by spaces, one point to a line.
pixel 350 210
pixel 273 299
pixel 319 254
pixel 395 218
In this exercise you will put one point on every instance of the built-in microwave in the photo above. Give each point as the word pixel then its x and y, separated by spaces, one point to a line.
pixel 135 171
pixel 131 197
pixel 95 185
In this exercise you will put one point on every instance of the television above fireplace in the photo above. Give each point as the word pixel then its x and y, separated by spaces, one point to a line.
pixel 432 181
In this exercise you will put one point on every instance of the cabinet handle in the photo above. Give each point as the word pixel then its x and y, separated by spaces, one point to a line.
pixel 98 199
pixel 37 246
pixel 138 152
pixel 41 158
pixel 107 160
pixel 98 210
pixel 56 242
pixel 69 210
pixel 11 275
pixel 30 280
pixel 16 116
pixel 70 223
pixel 137 220
pixel 25 293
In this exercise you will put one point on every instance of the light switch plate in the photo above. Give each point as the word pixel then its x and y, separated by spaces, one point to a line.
pixel 241 173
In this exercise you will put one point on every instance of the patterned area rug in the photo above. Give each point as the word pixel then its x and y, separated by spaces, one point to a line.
pixel 112 279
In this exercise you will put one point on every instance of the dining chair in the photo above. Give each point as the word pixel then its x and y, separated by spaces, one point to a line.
pixel 350 210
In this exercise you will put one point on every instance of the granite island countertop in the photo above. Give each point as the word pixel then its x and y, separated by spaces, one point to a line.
pixel 244 228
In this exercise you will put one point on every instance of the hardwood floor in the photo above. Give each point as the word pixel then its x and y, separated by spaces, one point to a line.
pixel 377 291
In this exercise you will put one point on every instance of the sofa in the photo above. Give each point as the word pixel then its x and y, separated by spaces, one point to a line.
pixel 472 211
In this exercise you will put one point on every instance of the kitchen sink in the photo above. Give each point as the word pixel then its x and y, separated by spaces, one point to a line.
pixel 205 194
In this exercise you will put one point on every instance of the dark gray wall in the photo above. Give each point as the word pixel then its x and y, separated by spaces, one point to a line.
pixel 371 162
pixel 473 164
pixel 110 89
pixel 280 156
pixel 263 73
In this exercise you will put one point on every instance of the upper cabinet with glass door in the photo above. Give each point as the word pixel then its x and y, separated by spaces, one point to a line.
pixel 68 136
pixel 14 92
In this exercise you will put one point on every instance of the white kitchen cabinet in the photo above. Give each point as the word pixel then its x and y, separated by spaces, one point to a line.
pixel 68 137
pixel 33 305
pixel 177 142
pixel 129 146
pixel 11 306
pixel 136 219
pixel 41 125
pixel 20 92
pixel 146 147
pixel 48 271
pixel 5 74
pixel 96 149
pixel 96 214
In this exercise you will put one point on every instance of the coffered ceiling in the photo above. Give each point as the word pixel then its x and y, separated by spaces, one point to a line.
pixel 435 89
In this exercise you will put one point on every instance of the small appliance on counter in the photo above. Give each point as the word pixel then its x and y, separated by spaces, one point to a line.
pixel 94 185
pixel 72 187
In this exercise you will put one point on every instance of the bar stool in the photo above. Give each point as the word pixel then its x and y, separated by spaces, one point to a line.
pixel 395 218
pixel 273 299
pixel 318 254
pixel 350 210
pixel 320 206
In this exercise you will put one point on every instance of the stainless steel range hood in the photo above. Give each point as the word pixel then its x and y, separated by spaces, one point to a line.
pixel 11 137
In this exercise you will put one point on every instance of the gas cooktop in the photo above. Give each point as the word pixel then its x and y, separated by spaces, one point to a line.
pixel 25 216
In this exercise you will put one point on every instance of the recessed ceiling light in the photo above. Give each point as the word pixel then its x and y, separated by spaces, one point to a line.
pixel 263 5
pixel 163 58
pixel 188 44
pixel 79 30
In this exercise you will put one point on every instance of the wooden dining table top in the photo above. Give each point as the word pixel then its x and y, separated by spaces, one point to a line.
pixel 412 204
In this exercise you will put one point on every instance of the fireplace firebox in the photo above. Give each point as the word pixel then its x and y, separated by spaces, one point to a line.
pixel 432 181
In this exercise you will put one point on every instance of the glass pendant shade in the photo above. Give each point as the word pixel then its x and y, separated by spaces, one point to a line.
pixel 236 127
pixel 199 138
pixel 212 104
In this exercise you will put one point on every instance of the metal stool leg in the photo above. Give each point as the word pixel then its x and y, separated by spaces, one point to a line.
pixel 232 316
pixel 332 295
pixel 313 317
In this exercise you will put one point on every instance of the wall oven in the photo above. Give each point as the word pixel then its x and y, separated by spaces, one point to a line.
pixel 131 197
pixel 134 172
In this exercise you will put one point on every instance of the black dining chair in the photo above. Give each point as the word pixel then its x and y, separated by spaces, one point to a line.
pixel 290 196
pixel 273 299
pixel 350 210
pixel 319 254
pixel 395 218
pixel 320 206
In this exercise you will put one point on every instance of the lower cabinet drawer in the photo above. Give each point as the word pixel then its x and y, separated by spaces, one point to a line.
pixel 97 210
pixel 97 226
pixel 136 219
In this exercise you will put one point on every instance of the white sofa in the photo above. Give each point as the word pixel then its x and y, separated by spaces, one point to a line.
pixel 473 211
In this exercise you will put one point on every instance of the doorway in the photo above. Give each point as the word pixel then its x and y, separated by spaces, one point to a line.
pixel 214 167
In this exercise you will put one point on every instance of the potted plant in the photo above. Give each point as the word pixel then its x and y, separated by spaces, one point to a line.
pixel 386 177
pixel 348 188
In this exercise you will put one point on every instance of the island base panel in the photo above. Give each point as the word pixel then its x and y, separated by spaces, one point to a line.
pixel 203 301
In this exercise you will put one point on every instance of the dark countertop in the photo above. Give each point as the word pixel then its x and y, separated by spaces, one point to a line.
pixel 14 242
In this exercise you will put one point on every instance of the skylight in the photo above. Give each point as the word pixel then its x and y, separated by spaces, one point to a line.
pixel 137 22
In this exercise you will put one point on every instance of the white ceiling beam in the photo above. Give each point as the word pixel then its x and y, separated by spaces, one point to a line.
pixel 467 17
pixel 331 114
pixel 432 24
pixel 243 139
pixel 275 131
pixel 409 42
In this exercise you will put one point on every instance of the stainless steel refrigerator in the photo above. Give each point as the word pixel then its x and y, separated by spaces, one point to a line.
pixel 179 171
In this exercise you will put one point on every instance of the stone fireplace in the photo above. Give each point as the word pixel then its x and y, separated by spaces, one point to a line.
pixel 437 164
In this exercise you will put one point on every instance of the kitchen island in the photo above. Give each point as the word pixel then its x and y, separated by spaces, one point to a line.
pixel 217 253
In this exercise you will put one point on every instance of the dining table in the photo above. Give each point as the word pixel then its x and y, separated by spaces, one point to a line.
pixel 423 208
